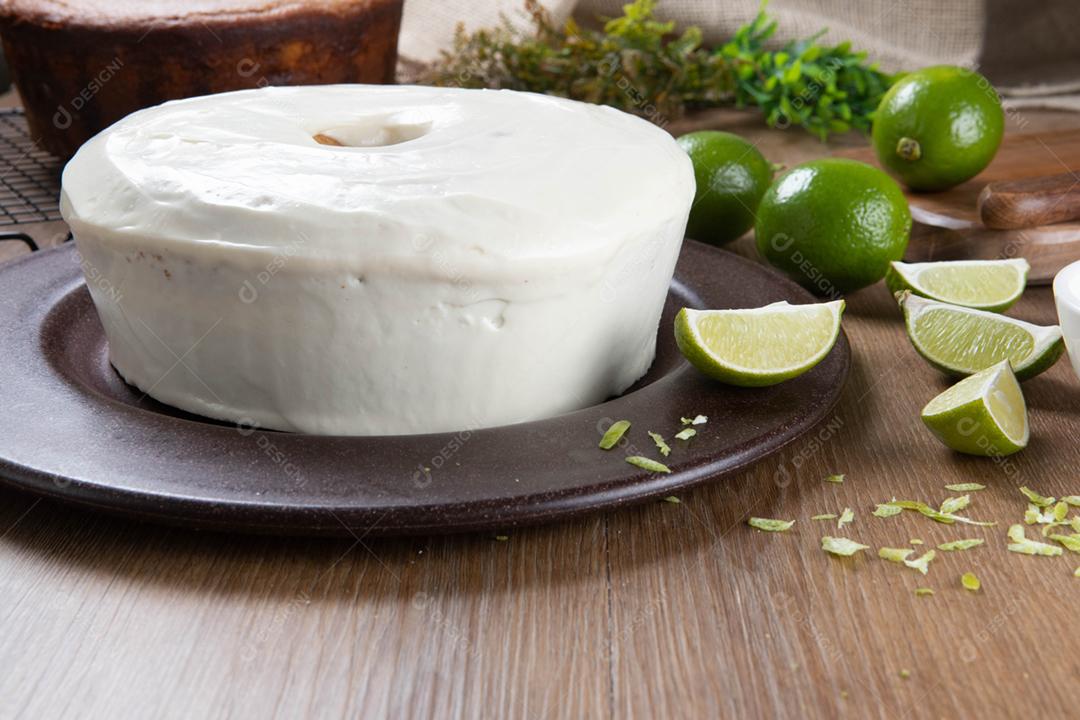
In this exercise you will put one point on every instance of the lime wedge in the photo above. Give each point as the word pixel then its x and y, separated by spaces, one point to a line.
pixel 961 341
pixel 992 285
pixel 981 415
pixel 759 346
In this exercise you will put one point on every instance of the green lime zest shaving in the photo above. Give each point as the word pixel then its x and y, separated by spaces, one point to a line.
pixel 648 464
pixel 770 525
pixel 842 546
pixel 825 516
pixel 896 555
pixel 662 446
pixel 673 500
pixel 965 487
pixel 955 504
pixel 915 541
pixel 835 479
pixel 905 674
pixel 886 510
pixel 936 515
pixel 970 582
pixel 1061 511
pixel 696 420
pixel 845 518
pixel 1069 542
pixel 1076 573
pixel 1033 515
pixel 1021 544
pixel 685 434
pixel 502 538
pixel 1036 498
pixel 920 592
pixel 1073 500
pixel 614 434
pixel 922 563
pixel 1075 523
pixel 961 544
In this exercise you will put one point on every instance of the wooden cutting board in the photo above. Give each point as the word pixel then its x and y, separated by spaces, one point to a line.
pixel 947 224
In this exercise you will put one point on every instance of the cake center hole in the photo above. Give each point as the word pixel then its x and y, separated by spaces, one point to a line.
pixel 372 132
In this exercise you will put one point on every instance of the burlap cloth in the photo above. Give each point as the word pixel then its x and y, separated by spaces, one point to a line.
pixel 1030 49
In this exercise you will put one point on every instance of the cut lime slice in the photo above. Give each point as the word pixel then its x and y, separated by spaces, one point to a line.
pixel 760 346
pixel 991 285
pixel 961 341
pixel 983 414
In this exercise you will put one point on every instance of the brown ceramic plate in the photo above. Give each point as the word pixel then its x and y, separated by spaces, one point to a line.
pixel 71 428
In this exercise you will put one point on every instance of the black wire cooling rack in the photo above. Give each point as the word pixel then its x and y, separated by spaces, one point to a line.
pixel 29 180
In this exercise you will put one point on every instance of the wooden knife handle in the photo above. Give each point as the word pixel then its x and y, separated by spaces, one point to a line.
pixel 1031 202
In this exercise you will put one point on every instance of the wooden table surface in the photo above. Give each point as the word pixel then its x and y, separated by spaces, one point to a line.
pixel 663 610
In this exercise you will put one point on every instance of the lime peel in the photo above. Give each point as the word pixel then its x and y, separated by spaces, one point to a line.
pixel 896 555
pixel 965 487
pixel 834 479
pixel 770 525
pixel 961 544
pixel 648 464
pixel 1037 499
pixel 685 434
pixel 1069 542
pixel 845 547
pixel 1021 544
pixel 661 445
pixel 614 434
pixel 922 563
pixel 970 582
pixel 845 518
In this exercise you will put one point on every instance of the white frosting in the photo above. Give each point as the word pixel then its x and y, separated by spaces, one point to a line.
pixel 505 259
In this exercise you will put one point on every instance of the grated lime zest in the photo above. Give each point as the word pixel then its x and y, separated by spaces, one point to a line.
pixel 965 487
pixel 1021 544
pixel 1036 498
pixel 896 555
pixel 922 563
pixel 845 547
pixel 648 464
pixel 961 544
pixel 770 525
pixel 834 479
pixel 1069 542
pixel 661 445
pixel 955 504
pixel 614 434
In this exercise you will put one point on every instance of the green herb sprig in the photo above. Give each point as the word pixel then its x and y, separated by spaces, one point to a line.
pixel 643 66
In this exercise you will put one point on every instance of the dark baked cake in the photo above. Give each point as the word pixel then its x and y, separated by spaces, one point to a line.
pixel 80 65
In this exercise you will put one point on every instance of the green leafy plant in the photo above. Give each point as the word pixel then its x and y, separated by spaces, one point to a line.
pixel 644 66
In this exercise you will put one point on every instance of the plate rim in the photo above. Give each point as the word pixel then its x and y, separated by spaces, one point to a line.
pixel 464 516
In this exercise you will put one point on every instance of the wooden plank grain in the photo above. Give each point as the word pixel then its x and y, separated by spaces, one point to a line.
pixel 105 618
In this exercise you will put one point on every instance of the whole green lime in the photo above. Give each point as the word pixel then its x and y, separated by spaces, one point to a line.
pixel 937 127
pixel 731 176
pixel 833 225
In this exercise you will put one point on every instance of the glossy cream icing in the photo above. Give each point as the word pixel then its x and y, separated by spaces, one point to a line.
pixel 452 259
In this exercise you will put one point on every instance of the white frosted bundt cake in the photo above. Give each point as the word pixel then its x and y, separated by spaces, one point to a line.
pixel 372 260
